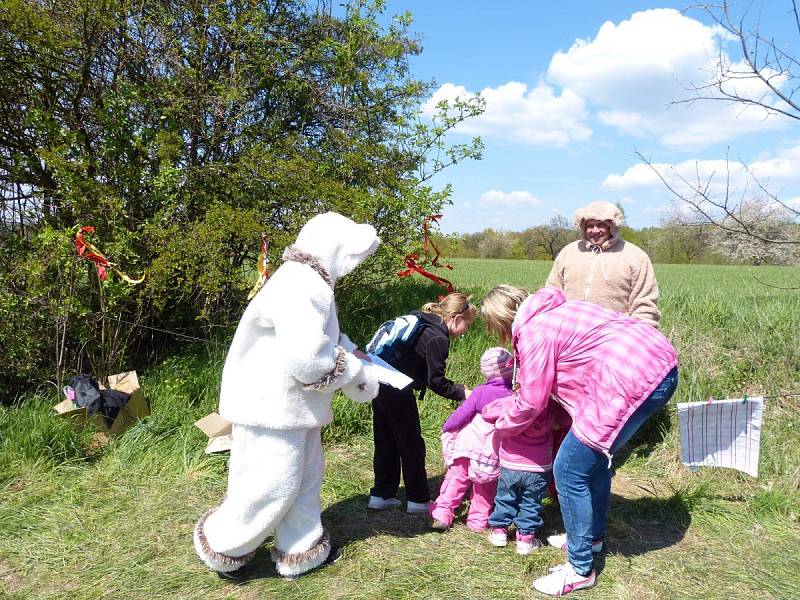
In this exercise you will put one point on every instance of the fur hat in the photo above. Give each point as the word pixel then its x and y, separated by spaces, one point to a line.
pixel 497 362
pixel 599 211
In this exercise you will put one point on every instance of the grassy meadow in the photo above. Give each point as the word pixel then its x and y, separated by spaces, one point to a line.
pixel 78 523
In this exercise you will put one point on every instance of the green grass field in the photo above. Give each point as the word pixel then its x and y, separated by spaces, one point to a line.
pixel 77 523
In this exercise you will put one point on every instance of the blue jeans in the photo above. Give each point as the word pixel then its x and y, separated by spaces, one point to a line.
pixel 583 479
pixel 519 500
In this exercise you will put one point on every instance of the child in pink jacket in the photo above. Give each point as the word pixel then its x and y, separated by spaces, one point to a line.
pixel 470 448
pixel 526 465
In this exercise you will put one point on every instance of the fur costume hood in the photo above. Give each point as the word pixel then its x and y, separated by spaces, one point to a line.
pixel 288 355
pixel 600 211
pixel 338 244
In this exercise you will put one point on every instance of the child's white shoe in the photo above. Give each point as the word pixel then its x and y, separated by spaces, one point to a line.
pixel 415 508
pixel 378 503
pixel 563 580
pixel 560 541
pixel 499 537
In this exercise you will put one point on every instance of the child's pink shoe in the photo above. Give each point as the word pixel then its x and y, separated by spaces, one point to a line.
pixel 439 525
pixel 527 543
pixel 441 519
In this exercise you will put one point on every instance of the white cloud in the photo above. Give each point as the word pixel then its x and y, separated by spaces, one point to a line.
pixel 516 198
pixel 535 116
pixel 793 202
pixel 780 174
pixel 633 71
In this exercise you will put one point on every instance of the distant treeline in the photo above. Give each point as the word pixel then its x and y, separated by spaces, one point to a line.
pixel 675 244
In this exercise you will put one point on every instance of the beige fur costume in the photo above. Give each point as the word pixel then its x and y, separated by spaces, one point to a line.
pixel 617 275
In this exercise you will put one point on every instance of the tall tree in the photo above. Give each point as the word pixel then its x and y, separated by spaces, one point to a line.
pixel 546 241
pixel 181 130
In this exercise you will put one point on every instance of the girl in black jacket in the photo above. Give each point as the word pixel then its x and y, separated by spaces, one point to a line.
pixel 395 418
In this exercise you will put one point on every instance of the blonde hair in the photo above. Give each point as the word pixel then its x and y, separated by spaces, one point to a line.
pixel 499 307
pixel 452 305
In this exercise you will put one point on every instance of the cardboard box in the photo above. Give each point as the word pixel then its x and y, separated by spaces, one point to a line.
pixel 219 432
pixel 137 407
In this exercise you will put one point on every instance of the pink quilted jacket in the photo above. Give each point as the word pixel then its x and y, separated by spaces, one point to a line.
pixel 478 442
pixel 599 364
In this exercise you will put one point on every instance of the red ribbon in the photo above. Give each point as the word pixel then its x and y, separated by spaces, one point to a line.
pixel 427 240
pixel 88 251
pixel 412 266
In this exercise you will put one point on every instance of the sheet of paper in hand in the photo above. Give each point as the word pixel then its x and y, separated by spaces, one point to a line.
pixel 386 373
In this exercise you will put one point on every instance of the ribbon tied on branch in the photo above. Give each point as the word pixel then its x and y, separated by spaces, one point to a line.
pixel 413 266
pixel 90 252
pixel 263 267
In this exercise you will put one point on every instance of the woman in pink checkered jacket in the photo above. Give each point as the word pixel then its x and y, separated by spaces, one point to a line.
pixel 610 372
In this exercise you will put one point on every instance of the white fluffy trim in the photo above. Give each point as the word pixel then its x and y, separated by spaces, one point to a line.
pixel 215 560
pixel 300 562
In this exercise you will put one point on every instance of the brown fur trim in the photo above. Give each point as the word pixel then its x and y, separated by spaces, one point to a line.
pixel 299 558
pixel 292 253
pixel 233 561
pixel 333 374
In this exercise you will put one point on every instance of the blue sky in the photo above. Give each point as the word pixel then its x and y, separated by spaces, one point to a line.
pixel 573 89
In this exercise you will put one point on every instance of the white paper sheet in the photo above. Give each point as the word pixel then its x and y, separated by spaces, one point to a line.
pixel 721 433
pixel 386 373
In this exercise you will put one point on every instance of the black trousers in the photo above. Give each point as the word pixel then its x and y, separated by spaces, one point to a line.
pixel 398 445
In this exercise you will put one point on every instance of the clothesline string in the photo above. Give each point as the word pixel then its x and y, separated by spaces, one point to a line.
pixel 746 396
pixel 782 395
pixel 175 333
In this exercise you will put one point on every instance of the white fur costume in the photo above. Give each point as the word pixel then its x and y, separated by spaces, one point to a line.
pixel 286 360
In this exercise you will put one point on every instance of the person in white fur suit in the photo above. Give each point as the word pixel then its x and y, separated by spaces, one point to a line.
pixel 286 360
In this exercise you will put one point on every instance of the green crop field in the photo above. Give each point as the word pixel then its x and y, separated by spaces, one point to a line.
pixel 117 522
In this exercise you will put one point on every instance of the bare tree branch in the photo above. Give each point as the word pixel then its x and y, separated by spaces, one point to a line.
pixel 720 211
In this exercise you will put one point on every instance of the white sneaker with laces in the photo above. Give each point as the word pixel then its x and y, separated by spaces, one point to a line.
pixel 560 541
pixel 414 508
pixel 563 580
pixel 378 503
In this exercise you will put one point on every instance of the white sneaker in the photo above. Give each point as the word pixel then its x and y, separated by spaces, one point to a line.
pixel 499 537
pixel 378 503
pixel 560 541
pixel 415 508
pixel 563 580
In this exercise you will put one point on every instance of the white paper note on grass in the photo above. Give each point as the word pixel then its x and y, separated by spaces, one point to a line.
pixel 721 433
pixel 386 373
